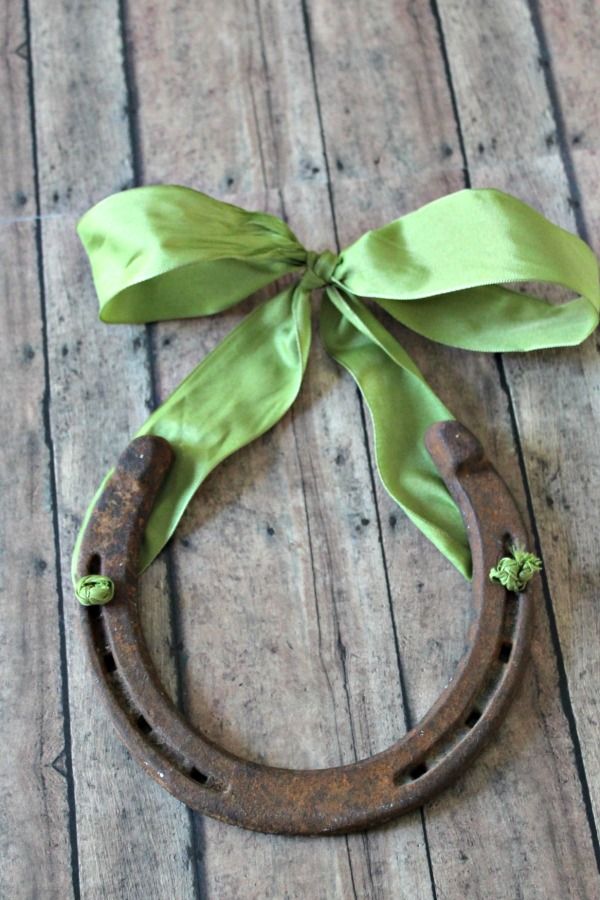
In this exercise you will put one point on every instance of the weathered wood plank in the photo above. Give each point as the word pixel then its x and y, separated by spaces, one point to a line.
pixel 35 849
pixel 569 39
pixel 333 691
pixel 290 647
pixel 133 840
pixel 421 176
pixel 371 82
pixel 568 512
pixel 557 393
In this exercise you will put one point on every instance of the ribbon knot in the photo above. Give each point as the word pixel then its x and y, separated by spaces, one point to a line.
pixel 95 590
pixel 514 572
pixel 168 252
pixel 319 269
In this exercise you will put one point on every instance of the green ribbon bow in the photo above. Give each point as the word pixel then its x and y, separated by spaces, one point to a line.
pixel 168 252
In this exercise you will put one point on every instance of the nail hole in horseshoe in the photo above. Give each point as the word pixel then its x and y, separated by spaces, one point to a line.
pixel 109 660
pixel 511 609
pixel 200 777
pixel 505 649
pixel 418 771
pixel 143 724
pixel 473 718
pixel 94 566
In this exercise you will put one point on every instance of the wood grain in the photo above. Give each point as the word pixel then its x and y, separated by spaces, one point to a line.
pixel 35 842
pixel 571 35
pixel 132 840
pixel 291 653
pixel 530 750
pixel 556 394
pixel 298 617
pixel 382 173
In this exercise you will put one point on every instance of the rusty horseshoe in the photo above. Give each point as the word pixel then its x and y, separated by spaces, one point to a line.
pixel 314 801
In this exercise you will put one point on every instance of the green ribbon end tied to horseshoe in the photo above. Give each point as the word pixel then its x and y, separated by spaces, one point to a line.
pixel 169 252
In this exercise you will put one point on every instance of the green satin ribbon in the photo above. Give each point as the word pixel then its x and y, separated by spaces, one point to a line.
pixel 167 252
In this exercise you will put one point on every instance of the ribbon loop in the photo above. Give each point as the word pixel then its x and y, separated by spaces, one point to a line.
pixel 319 269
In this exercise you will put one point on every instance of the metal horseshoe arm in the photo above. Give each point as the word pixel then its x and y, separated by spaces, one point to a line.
pixel 317 801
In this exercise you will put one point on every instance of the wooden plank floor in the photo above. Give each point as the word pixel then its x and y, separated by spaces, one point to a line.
pixel 297 617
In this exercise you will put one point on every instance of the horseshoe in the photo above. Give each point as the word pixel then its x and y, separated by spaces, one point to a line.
pixel 337 800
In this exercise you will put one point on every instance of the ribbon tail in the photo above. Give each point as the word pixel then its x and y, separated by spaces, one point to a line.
pixel 239 390
pixel 402 407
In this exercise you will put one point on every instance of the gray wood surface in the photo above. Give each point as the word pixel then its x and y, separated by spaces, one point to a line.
pixel 297 616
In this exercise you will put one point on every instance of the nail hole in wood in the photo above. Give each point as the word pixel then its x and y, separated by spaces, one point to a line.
pixel 143 724
pixel 200 777
pixel 473 718
pixel 505 650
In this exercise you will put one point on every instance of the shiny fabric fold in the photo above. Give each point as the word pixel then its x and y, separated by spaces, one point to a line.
pixel 167 252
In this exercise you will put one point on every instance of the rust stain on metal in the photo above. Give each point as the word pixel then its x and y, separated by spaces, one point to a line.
pixel 316 801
